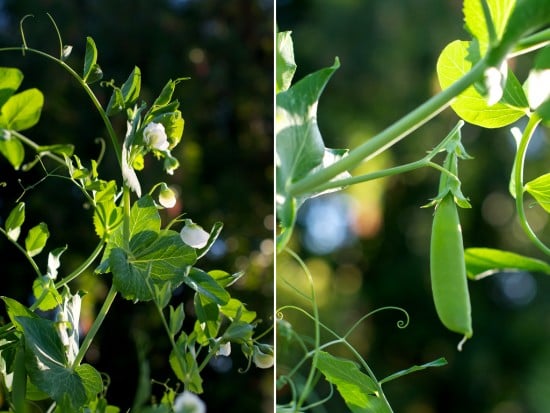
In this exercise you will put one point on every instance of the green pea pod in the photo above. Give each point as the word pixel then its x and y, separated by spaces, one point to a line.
pixel 448 269
pixel 19 384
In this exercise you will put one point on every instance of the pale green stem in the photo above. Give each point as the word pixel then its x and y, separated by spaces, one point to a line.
pixel 36 147
pixel 81 268
pixel 20 248
pixel 391 135
pixel 519 164
pixel 84 85
pixel 111 295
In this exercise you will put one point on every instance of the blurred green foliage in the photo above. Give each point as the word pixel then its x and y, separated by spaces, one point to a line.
pixel 226 48
pixel 388 51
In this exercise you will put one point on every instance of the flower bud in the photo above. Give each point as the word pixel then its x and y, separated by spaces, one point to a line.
pixel 155 137
pixel 193 235
pixel 262 360
pixel 167 197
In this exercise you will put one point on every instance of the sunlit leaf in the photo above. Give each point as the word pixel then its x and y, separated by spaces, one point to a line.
pixel 10 80
pixel 12 149
pixel 22 110
pixel 539 188
pixel 286 65
pixel 299 145
pixel 92 72
pixel 356 388
pixel 36 239
pixel 476 23
pixel 482 262
pixel 204 284
pixel 14 221
pixel 452 64
pixel 436 363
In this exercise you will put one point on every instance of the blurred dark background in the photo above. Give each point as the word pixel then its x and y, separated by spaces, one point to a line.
pixel 226 48
pixel 368 246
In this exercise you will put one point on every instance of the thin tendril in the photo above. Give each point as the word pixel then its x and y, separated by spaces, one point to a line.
pixel 58 36
pixel 25 46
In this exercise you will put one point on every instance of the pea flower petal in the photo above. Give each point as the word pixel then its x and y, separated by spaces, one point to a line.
pixel 193 235
pixel 154 135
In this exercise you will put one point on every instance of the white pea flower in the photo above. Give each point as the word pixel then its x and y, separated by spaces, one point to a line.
pixel 155 137
pixel 188 402
pixel 167 197
pixel 262 360
pixel 193 235
pixel 495 80
pixel 224 350
pixel 538 87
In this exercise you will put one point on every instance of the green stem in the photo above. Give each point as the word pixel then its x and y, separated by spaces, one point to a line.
pixel 82 267
pixel 84 85
pixel 391 135
pixel 126 199
pixel 36 147
pixel 23 251
pixel 111 295
pixel 519 164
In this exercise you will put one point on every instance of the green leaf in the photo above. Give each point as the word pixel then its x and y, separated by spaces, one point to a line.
pixel 92 72
pixel 286 65
pixel 299 145
pixel 144 217
pixel 15 309
pixel 10 80
pixel 452 64
pixel 539 188
pixel 177 315
pixel 236 309
pixel 43 289
pixel 125 96
pixel 14 221
pixel 356 388
pixel 131 88
pixel 152 259
pixel 36 239
pixel 204 284
pixel 12 149
pixel 48 367
pixel 173 126
pixel 436 363
pixel 482 262
pixel 22 110
pixel 475 19
pixel 186 370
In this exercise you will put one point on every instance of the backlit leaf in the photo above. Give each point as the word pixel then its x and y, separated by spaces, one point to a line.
pixel 36 239
pixel 22 110
pixel 452 64
pixel 15 220
pixel 356 388
pixel 482 262
pixel 286 65
pixel 539 188
pixel 10 80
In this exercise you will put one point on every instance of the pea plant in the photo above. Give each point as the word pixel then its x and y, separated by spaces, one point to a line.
pixel 41 347
pixel 478 83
